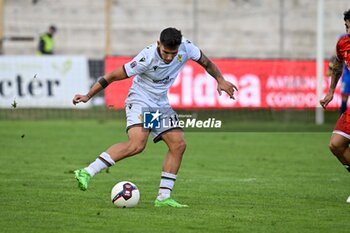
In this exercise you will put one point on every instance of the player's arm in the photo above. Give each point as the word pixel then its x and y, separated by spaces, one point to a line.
pixel 103 82
pixel 332 60
pixel 335 71
pixel 214 71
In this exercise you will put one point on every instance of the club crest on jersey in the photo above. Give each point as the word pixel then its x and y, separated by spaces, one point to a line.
pixel 179 58
pixel 141 117
pixel 133 64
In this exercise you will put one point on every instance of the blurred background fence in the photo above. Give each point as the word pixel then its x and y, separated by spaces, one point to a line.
pixel 238 33
pixel 221 28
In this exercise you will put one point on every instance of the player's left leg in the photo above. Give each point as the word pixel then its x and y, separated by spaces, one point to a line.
pixel 175 141
pixel 176 147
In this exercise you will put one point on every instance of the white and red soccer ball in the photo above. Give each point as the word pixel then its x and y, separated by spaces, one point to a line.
pixel 125 194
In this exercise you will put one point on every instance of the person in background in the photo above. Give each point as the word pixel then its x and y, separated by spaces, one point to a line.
pixel 345 83
pixel 46 42
pixel 340 139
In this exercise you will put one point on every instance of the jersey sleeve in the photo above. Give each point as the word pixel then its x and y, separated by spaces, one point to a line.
pixel 338 53
pixel 193 51
pixel 137 65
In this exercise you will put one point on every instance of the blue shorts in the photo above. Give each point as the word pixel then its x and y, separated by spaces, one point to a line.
pixel 345 84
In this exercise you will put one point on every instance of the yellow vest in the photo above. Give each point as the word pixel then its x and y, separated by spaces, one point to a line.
pixel 48 44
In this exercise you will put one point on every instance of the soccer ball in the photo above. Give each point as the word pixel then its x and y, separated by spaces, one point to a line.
pixel 125 194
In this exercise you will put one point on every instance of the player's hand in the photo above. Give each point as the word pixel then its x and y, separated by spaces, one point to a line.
pixel 227 87
pixel 326 100
pixel 80 98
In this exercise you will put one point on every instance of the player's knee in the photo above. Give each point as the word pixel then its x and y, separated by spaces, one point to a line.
pixel 136 148
pixel 179 146
pixel 335 149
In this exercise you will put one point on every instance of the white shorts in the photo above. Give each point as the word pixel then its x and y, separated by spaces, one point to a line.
pixel 140 110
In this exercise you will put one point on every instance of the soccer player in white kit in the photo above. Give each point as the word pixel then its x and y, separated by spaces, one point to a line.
pixel 155 69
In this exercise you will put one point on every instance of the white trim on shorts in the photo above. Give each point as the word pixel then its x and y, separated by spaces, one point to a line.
pixel 342 134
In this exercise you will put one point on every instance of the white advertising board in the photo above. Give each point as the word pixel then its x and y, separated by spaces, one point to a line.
pixel 42 81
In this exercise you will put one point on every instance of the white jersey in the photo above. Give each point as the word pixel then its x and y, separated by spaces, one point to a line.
pixel 153 76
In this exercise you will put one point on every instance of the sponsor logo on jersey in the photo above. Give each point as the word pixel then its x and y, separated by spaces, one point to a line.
pixel 164 80
pixel 133 64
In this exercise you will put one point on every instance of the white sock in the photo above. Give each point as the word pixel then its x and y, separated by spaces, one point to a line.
pixel 167 182
pixel 102 162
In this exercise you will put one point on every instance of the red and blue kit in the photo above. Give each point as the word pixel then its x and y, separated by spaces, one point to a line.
pixel 343 54
pixel 343 49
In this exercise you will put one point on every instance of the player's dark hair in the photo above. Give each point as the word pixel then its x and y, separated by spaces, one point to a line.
pixel 170 37
pixel 347 15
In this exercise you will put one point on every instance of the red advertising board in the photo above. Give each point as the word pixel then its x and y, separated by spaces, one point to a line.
pixel 261 84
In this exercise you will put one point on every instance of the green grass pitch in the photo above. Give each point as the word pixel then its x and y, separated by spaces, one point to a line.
pixel 233 182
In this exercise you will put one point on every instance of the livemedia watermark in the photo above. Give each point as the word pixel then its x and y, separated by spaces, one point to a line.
pixel 156 119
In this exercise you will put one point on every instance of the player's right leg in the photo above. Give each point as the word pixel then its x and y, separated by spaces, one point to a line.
pixel 137 140
pixel 340 140
pixel 339 146
pixel 135 144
